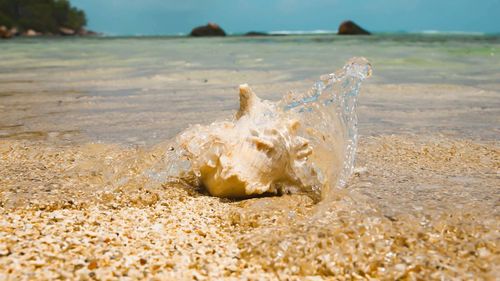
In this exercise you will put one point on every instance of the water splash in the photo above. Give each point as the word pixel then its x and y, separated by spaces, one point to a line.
pixel 304 143
pixel 330 106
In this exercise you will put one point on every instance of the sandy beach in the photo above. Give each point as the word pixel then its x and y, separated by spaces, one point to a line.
pixel 77 139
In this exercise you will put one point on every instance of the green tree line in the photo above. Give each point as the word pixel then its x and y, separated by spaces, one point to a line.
pixel 41 15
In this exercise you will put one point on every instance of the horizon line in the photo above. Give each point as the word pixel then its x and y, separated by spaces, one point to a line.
pixel 310 32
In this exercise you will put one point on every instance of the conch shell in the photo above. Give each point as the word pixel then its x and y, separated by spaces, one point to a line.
pixel 252 155
pixel 304 143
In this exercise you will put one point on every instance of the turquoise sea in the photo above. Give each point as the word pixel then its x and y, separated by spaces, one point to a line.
pixel 145 89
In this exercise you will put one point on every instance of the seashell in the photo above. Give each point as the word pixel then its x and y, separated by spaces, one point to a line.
pixel 302 144
pixel 252 155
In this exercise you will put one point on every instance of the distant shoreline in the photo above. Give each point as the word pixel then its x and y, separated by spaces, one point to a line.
pixel 428 34
pixel 312 33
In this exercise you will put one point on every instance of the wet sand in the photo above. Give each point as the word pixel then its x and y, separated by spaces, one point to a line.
pixel 423 203
pixel 83 121
pixel 417 209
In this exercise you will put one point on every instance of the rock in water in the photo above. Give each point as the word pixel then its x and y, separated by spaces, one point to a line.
pixel 5 33
pixel 15 31
pixel 31 33
pixel 211 29
pixel 351 28
pixel 84 32
pixel 66 31
pixel 304 143
pixel 256 33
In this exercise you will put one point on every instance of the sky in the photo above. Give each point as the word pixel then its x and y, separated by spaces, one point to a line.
pixel 170 17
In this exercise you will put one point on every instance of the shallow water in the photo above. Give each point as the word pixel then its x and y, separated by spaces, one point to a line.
pixel 83 120
pixel 144 90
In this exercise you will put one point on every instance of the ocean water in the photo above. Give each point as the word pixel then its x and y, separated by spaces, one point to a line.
pixel 83 122
pixel 143 90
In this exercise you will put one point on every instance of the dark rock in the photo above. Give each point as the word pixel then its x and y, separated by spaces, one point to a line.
pixel 350 28
pixel 256 33
pixel 211 29
pixel 86 32
pixel 66 31
pixel 5 33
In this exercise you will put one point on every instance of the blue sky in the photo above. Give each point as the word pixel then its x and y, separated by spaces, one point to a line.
pixel 154 17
